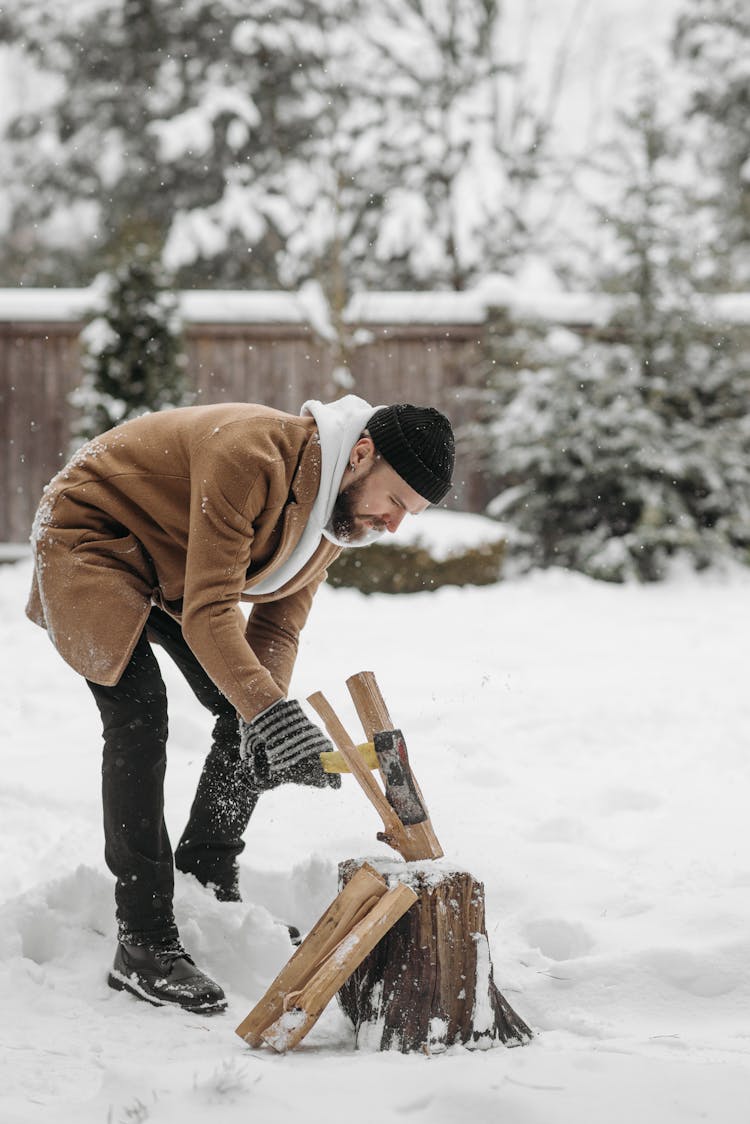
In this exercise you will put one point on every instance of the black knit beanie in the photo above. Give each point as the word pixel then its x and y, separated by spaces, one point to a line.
pixel 417 442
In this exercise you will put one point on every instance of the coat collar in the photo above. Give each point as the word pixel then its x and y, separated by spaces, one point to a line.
pixel 303 492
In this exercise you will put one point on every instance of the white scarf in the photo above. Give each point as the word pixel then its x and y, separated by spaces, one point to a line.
pixel 340 426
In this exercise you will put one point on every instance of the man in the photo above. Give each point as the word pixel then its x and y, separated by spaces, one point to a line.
pixel 154 533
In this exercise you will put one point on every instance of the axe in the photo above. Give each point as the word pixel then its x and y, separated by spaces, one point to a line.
pixel 386 752
pixel 401 807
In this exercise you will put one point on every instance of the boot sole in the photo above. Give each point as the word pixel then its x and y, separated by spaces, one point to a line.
pixel 118 982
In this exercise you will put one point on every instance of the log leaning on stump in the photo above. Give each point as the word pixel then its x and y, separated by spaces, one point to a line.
pixel 355 921
pixel 428 984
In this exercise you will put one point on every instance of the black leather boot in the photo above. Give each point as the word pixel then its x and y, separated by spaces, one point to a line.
pixel 165 975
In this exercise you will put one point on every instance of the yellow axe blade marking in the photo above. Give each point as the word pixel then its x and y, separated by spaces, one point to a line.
pixel 334 762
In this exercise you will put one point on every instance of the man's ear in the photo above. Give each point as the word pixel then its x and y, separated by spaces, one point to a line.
pixel 363 453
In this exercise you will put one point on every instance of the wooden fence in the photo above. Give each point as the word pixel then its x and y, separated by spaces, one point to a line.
pixel 280 363
pixel 271 347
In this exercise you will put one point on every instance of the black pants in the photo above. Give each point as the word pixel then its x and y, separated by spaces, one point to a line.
pixel 137 846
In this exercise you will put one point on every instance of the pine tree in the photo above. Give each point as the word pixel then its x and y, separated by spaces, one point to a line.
pixel 712 41
pixel 133 360
pixel 633 448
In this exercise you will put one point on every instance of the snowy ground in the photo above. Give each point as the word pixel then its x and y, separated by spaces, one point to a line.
pixel 584 750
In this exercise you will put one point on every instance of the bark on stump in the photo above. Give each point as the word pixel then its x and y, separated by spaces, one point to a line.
pixel 428 984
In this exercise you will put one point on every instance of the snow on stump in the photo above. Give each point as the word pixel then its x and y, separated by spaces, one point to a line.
pixel 428 983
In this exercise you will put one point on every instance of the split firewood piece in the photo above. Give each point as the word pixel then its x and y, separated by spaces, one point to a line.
pixel 372 710
pixel 353 903
pixel 306 1006
pixel 394 834
pixel 369 702
pixel 429 983
pixel 419 838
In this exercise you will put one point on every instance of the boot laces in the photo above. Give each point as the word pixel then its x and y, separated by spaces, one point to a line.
pixel 171 952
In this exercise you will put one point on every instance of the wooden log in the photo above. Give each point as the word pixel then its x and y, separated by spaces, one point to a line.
pixel 369 703
pixel 355 901
pixel 304 1008
pixel 429 983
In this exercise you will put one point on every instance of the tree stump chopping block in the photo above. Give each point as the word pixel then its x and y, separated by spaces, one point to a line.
pixel 428 984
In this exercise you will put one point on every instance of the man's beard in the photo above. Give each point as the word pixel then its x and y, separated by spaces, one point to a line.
pixel 345 526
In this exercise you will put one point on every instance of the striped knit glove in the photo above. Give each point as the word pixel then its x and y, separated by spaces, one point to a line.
pixel 282 745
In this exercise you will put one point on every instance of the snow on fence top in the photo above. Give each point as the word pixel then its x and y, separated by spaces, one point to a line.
pixel 472 305
pixel 276 307
pixel 44 304
pixel 416 308
pixel 198 306
pixel 204 306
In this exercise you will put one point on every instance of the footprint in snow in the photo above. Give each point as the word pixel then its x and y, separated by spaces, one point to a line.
pixel 558 939
pixel 559 829
pixel 629 800
pixel 705 975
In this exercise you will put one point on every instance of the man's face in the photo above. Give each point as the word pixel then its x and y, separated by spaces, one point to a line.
pixel 372 499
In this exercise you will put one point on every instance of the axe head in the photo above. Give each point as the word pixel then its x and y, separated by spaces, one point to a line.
pixel 400 790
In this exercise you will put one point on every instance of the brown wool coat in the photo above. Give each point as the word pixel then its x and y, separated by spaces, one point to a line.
pixel 185 509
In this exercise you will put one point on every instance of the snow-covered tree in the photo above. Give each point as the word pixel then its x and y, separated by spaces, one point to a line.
pixel 437 149
pixel 133 359
pixel 383 145
pixel 620 452
pixel 712 40
pixel 429 146
pixel 164 118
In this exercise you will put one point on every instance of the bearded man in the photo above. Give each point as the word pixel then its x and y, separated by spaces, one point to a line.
pixel 153 534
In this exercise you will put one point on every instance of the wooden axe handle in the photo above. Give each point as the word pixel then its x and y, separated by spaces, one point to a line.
pixel 393 826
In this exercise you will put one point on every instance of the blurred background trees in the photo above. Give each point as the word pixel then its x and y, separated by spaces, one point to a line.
pixel 616 452
pixel 712 46
pixel 409 144
pixel 389 145
pixel 164 122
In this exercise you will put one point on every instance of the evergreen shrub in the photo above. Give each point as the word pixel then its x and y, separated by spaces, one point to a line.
pixel 133 354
